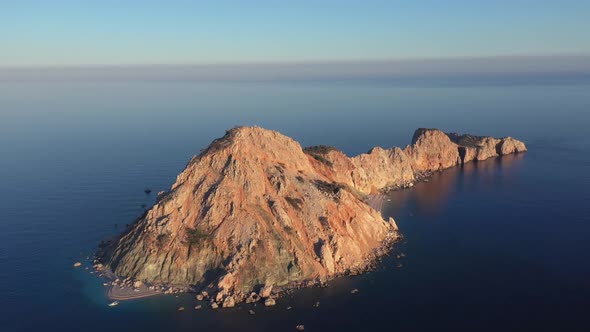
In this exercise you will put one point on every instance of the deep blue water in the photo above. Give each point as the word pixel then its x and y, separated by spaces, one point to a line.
pixel 498 245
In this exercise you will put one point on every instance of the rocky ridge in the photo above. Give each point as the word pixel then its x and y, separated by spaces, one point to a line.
pixel 255 213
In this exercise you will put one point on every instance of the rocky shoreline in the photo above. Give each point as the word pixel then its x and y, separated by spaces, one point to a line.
pixel 255 215
pixel 131 289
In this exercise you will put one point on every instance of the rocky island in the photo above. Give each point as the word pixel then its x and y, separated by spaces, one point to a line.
pixel 255 213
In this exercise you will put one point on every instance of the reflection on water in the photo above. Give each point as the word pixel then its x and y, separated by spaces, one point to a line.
pixel 428 199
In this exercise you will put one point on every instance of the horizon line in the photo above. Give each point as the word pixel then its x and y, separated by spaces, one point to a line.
pixel 505 57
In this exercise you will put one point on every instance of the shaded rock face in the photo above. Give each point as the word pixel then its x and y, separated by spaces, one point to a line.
pixel 255 209
pixel 475 148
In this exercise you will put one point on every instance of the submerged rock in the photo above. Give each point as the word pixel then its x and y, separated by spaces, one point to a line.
pixel 254 208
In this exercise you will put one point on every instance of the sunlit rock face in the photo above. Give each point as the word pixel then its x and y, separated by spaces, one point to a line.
pixel 254 209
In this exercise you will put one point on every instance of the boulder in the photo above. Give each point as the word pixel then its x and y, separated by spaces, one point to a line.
pixel 253 298
pixel 229 302
pixel 265 291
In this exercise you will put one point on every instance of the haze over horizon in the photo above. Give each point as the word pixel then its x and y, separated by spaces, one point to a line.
pixel 66 33
pixel 471 70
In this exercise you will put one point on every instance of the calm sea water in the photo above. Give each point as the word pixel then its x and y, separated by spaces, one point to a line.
pixel 498 245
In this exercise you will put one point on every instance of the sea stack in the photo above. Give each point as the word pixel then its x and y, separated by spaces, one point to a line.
pixel 255 209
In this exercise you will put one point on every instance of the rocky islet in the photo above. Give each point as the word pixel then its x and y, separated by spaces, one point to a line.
pixel 256 214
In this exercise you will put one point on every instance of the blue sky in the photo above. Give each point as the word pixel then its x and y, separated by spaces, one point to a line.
pixel 59 32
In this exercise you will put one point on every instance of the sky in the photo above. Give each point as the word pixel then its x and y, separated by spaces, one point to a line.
pixel 131 32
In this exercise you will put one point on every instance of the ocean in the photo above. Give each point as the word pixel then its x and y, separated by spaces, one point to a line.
pixel 495 245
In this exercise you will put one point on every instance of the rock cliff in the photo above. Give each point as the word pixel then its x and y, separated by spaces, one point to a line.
pixel 254 209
